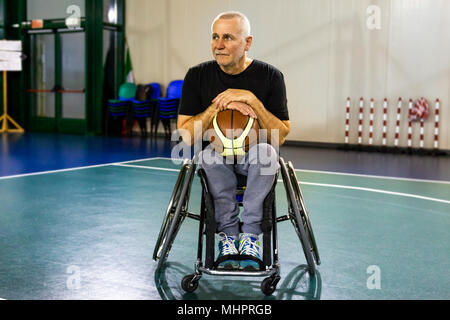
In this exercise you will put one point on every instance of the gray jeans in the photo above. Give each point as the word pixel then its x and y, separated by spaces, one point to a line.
pixel 260 165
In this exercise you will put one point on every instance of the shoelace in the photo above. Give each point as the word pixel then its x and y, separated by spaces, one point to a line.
pixel 249 247
pixel 228 244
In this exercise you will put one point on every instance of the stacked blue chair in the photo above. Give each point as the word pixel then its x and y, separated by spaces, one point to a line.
pixel 154 96
pixel 168 106
pixel 118 109
pixel 156 92
pixel 141 107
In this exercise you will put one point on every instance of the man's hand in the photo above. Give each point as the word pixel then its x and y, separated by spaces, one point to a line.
pixel 247 103
pixel 243 108
pixel 233 95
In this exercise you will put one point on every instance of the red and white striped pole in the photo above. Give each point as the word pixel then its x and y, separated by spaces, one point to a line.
pixel 397 123
pixel 384 122
pixel 371 122
pixel 421 132
pixel 347 120
pixel 436 124
pixel 410 105
pixel 361 117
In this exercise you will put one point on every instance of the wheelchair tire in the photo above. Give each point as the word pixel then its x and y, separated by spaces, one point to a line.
pixel 269 285
pixel 304 213
pixel 296 221
pixel 295 216
pixel 171 220
pixel 188 283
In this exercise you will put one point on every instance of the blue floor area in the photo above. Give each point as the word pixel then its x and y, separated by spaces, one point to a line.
pixel 34 152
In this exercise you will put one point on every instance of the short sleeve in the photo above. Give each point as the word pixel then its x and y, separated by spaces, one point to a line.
pixel 277 101
pixel 190 103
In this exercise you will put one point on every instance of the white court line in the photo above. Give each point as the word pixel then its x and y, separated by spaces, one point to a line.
pixel 145 167
pixel 353 174
pixel 124 164
pixel 166 158
pixel 372 176
pixel 71 169
pixel 147 159
pixel 374 190
pixel 53 171
pixel 322 185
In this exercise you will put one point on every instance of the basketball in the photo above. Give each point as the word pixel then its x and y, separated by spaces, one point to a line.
pixel 232 133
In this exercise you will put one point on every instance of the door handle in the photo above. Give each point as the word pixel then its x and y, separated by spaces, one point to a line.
pixel 63 90
pixel 39 90
pixel 57 88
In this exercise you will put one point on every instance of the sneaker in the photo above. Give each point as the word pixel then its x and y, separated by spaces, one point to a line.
pixel 228 246
pixel 249 245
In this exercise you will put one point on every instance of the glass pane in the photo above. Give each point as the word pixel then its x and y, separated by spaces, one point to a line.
pixel 110 63
pixel 110 11
pixel 43 74
pixel 53 9
pixel 73 67
pixel 73 105
pixel 44 105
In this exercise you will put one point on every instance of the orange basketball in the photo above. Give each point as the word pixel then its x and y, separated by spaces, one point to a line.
pixel 232 133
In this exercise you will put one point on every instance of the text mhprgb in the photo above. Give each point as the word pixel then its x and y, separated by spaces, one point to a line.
pixel 224 310
pixel 234 309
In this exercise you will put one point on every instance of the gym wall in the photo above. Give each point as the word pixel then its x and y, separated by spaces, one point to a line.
pixel 328 50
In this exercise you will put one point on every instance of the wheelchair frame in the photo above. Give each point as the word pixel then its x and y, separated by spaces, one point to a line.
pixel 177 211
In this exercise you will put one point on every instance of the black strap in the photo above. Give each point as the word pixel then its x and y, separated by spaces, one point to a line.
pixel 238 257
pixel 268 207
pixel 210 222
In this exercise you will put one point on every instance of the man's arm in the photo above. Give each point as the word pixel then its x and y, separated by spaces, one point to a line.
pixel 186 123
pixel 269 122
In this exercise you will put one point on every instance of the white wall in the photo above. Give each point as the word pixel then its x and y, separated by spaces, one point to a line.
pixel 325 50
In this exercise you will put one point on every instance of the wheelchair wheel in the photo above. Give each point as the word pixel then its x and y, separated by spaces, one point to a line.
pixel 171 219
pixel 269 285
pixel 304 213
pixel 189 284
pixel 296 217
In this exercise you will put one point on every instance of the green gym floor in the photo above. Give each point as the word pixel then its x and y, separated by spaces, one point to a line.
pixel 89 233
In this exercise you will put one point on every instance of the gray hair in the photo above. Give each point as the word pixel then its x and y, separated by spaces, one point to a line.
pixel 235 14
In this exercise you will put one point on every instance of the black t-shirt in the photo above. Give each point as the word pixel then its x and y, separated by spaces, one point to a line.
pixel 205 81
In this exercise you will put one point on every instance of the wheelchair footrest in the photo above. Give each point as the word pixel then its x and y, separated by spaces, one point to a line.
pixel 239 257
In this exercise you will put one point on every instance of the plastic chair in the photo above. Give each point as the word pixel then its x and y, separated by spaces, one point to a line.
pixel 168 106
pixel 155 95
pixel 174 89
pixel 156 92
pixel 119 109
pixel 141 106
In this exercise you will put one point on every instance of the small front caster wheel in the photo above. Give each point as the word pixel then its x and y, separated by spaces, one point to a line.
pixel 268 286
pixel 189 284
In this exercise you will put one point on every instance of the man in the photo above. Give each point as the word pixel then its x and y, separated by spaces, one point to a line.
pixel 235 81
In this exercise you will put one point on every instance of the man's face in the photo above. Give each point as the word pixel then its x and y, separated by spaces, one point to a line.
pixel 227 44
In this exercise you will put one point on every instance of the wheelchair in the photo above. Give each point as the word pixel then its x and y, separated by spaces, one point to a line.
pixel 177 212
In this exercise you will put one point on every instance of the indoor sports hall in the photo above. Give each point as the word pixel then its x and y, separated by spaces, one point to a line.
pixel 101 199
